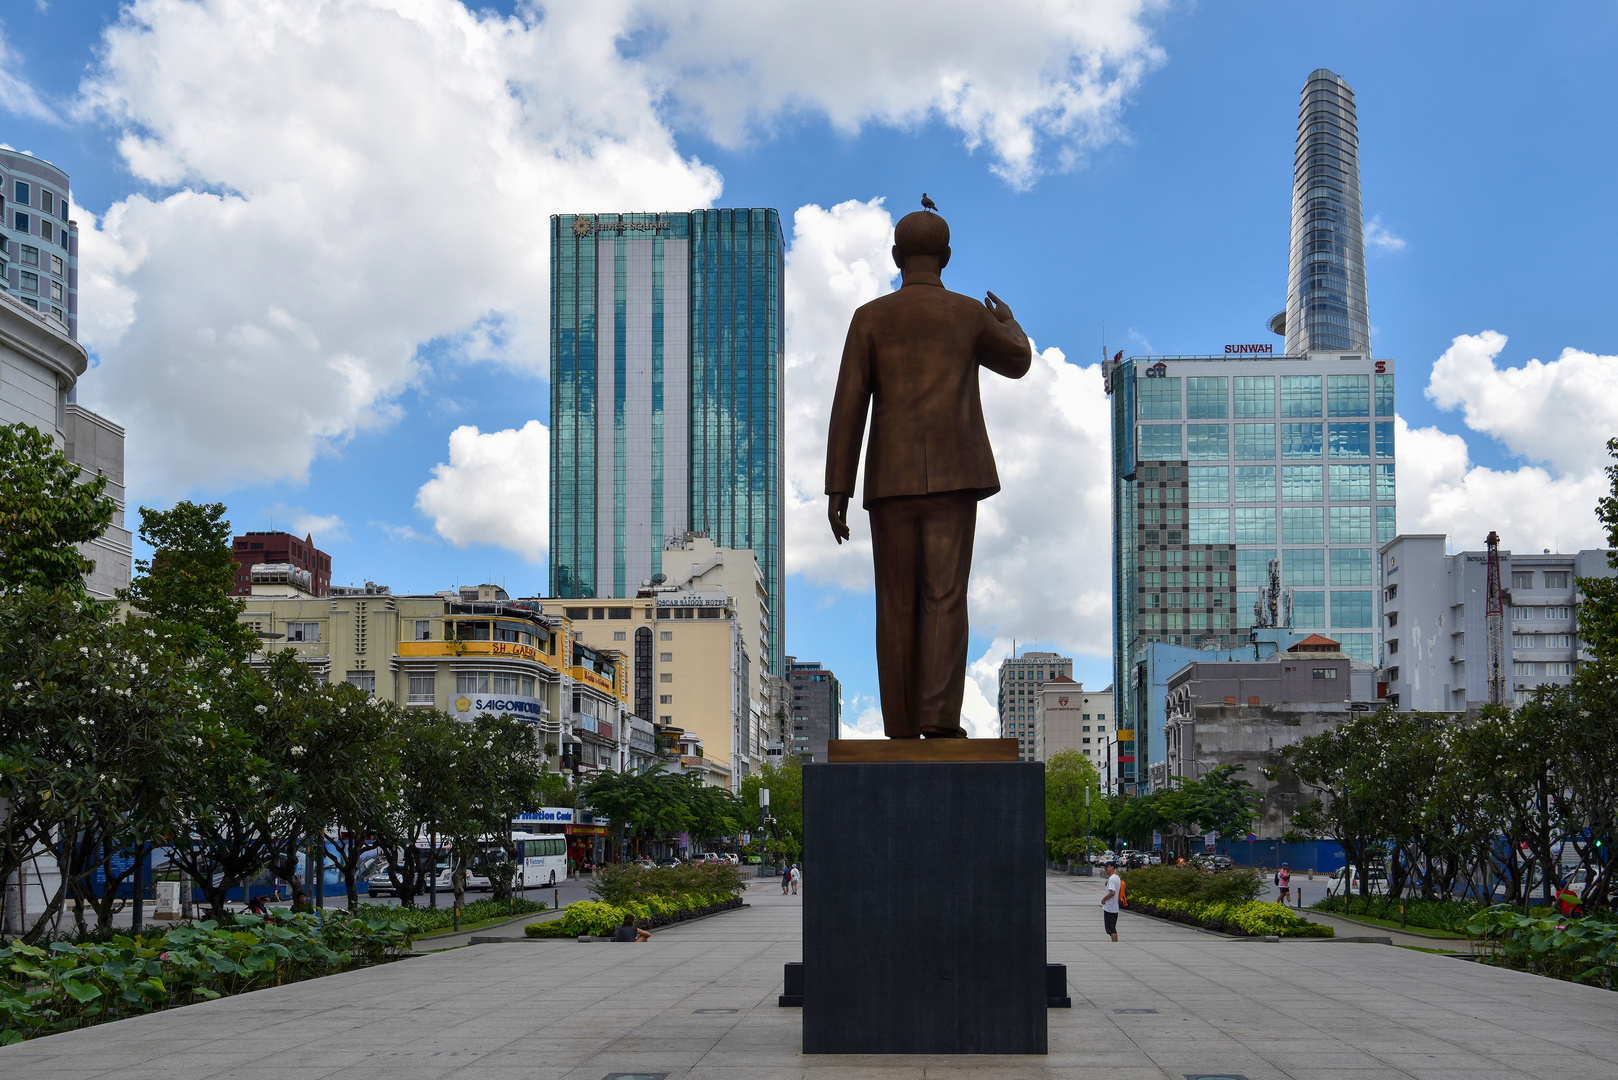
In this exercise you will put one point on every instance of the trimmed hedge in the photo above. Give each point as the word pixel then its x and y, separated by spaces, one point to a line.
pixel 425 920
pixel 1450 916
pixel 1245 918
pixel 1226 902
pixel 598 919
pixel 66 986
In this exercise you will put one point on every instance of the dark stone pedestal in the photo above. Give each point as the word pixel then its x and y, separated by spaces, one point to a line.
pixel 924 908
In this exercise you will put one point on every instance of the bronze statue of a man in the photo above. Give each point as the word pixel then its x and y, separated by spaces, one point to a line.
pixel 912 360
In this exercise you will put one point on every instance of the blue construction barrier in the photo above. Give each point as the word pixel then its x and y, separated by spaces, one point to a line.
pixel 1321 856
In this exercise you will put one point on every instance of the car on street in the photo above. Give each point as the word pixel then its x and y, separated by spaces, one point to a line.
pixel 666 863
pixel 1347 879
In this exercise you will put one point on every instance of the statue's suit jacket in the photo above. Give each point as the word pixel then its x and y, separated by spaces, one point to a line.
pixel 912 360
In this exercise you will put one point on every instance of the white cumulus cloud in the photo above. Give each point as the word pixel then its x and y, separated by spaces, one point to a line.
pixel 1555 416
pixel 1559 414
pixel 1030 79
pixel 17 95
pixel 1381 238
pixel 495 489
pixel 334 186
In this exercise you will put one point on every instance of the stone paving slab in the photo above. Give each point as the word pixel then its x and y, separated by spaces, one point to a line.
pixel 563 1010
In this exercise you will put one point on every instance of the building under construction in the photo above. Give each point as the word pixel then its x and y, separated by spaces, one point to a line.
pixel 1437 622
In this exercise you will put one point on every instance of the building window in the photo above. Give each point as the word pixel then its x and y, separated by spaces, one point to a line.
pixel 56 290
pixel 1211 525
pixel 1158 441
pixel 1300 395
pixel 665 699
pixel 1300 440
pixel 22 193
pixel 1255 524
pixel 365 680
pixel 30 282
pixel 45 230
pixel 1558 669
pixel 1384 394
pixel 1348 395
pixel 1522 579
pixel 1522 614
pixel 577 614
pixel 527 686
pixel 1255 395
pixel 1255 483
pixel 1350 483
pixel 47 201
pixel 1301 483
pixel 665 658
pixel 504 683
pixel 620 635
pixel 1348 440
pixel 303 631
pixel 474 682
pixel 1558 641
pixel 665 635
pixel 424 630
pixel 1304 566
pixel 1157 399
pixel 1302 525
pixel 1351 525
pixel 1393 645
pixel 1255 441
pixel 1308 609
pixel 1350 609
pixel 1520 668
pixel 1210 483
pixel 56 265
pixel 1325 673
pixel 1207 441
pixel 1351 566
pixel 1556 579
pixel 19 221
pixel 421 689
pixel 1384 439
pixel 665 677
pixel 1558 613
pixel 1253 568
pixel 1386 527
pixel 1205 398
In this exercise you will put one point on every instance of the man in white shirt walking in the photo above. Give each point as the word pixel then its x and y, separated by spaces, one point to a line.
pixel 1109 902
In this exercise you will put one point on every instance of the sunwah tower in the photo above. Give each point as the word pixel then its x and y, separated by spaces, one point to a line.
pixel 667 364
pixel 1252 465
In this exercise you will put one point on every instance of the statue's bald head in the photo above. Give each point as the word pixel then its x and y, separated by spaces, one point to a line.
pixel 921 234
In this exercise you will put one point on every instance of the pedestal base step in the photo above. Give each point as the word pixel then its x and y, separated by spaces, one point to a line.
pixel 1056 996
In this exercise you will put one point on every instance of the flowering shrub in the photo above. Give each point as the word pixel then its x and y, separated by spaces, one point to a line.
pixel 67 986
pixel 622 883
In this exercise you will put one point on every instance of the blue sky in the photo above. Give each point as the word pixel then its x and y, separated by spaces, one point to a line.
pixel 1486 161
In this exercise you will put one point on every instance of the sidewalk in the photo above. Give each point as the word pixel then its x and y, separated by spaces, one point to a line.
pixel 699 1003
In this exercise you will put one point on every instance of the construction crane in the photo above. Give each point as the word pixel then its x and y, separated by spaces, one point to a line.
pixel 1495 615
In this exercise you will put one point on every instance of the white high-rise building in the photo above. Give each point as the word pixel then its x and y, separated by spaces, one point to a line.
pixel 1436 656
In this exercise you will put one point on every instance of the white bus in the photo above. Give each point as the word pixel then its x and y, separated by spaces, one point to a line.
pixel 543 859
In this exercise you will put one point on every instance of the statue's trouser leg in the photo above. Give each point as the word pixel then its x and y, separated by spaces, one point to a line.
pixel 923 554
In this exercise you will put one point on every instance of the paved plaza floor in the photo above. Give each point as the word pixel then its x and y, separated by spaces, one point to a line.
pixel 698 1002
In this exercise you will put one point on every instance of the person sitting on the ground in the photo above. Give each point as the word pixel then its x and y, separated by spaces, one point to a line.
pixel 628 931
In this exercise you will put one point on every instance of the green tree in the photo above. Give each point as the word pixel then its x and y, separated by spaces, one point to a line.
pixel 45 511
pixel 188 580
pixel 424 791
pixel 1074 808
pixel 784 833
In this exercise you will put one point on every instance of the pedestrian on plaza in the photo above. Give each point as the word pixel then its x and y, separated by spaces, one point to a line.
pixel 1109 902
pixel 628 931
pixel 797 876
pixel 786 879
pixel 1283 881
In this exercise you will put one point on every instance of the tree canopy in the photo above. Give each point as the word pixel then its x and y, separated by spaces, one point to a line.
pixel 45 511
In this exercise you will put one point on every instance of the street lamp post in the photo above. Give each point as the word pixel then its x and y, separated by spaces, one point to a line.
pixel 763 828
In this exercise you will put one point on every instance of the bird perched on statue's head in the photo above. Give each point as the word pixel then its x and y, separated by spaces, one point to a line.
pixel 928 204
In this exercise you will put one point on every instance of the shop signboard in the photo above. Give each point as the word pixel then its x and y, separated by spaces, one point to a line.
pixel 468 706
pixel 546 815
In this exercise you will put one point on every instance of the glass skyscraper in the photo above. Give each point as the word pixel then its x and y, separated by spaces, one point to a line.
pixel 1326 305
pixel 1223 466
pixel 667 364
